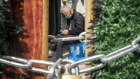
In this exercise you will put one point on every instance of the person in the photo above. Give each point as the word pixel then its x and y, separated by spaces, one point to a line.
pixel 75 26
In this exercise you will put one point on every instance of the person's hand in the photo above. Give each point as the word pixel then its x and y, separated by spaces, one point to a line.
pixel 65 32
pixel 62 32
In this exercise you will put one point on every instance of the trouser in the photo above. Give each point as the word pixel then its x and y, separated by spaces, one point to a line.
pixel 58 47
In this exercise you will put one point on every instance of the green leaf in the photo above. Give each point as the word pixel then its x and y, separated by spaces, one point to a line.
pixel 119 26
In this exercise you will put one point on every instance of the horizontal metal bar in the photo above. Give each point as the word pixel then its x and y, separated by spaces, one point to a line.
pixel 73 38
pixel 70 38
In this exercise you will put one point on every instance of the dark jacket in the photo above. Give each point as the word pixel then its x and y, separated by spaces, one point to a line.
pixel 77 24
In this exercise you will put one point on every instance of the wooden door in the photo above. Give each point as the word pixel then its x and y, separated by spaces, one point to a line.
pixel 31 43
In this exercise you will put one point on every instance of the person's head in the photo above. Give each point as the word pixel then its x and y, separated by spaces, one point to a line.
pixel 67 12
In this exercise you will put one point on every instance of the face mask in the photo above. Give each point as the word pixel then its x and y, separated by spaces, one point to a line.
pixel 68 17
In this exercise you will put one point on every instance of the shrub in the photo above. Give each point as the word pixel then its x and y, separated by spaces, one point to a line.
pixel 7 26
pixel 119 25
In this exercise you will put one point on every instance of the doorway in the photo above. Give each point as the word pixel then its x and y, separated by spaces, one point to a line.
pixel 54 16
